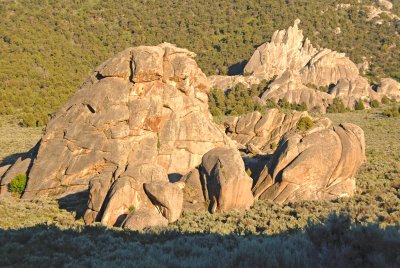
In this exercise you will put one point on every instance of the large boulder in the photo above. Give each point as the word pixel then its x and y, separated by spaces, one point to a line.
pixel 317 165
pixel 167 197
pixel 147 104
pixel 226 183
pixel 143 218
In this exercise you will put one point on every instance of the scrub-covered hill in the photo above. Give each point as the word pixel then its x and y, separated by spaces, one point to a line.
pixel 47 48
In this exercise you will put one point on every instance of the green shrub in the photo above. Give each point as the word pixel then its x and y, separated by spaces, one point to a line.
pixel 305 123
pixel 337 106
pixel 274 145
pixel 18 184
pixel 394 111
pixel 374 104
pixel 359 105
pixel 271 104
pixel 284 103
pixel 385 100
pixel 236 101
pixel 301 107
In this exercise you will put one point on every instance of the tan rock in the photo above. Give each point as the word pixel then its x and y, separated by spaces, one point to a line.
pixel 142 218
pixel 319 166
pixel 247 122
pixel 390 88
pixel 3 170
pixel 125 194
pixel 167 198
pixel 193 196
pixel 227 185
pixel 145 105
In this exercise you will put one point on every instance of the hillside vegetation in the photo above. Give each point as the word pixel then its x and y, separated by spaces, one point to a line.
pixel 47 48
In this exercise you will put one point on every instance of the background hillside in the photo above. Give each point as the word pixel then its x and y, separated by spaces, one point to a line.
pixel 47 48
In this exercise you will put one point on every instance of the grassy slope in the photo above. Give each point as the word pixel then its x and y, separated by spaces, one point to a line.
pixel 286 235
pixel 15 140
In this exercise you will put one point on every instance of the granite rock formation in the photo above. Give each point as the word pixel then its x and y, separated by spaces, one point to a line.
pixel 262 131
pixel 317 165
pixel 301 73
pixel 147 104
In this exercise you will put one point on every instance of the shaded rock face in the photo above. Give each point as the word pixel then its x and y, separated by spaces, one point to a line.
pixel 299 70
pixel 317 166
pixel 258 131
pixel 225 181
pixel 145 105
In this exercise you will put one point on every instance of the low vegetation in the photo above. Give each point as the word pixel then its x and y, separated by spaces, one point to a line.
pixel 18 184
pixel 236 101
pixel 393 111
pixel 359 105
pixel 305 123
pixel 337 106
pixel 359 231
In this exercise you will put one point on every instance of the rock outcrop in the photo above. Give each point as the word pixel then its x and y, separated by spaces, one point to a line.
pixel 316 165
pixel 262 131
pixel 147 104
pixel 225 181
pixel 300 72
pixel 385 4
pixel 390 88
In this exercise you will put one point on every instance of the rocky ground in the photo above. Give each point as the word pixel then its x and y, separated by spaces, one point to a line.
pixel 47 233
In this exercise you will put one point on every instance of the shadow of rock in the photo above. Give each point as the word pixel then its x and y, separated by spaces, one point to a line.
pixel 11 159
pixel 174 177
pixel 76 203
pixel 237 68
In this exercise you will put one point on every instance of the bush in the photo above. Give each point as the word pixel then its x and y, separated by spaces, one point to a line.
pixel 392 112
pixel 18 184
pixel 301 107
pixel 360 105
pixel 385 100
pixel 305 123
pixel 236 101
pixel 284 103
pixel 337 106
pixel 374 104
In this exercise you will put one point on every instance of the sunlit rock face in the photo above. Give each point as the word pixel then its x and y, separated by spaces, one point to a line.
pixel 301 73
pixel 148 104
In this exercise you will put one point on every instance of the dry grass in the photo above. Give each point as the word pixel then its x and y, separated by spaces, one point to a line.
pixel 15 140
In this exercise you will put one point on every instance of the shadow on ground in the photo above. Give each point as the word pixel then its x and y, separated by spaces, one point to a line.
pixel 334 243
pixel 76 203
